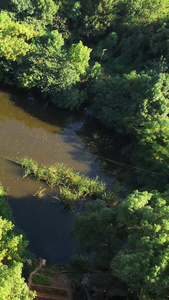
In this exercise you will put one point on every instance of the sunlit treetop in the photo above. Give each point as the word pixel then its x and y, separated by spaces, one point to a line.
pixel 15 37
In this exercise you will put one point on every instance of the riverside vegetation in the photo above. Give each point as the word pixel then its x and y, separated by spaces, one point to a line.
pixel 12 256
pixel 72 185
pixel 111 57
pixel 133 231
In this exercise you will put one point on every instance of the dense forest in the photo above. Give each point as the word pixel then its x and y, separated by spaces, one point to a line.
pixel 111 56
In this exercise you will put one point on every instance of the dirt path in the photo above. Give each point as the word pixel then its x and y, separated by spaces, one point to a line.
pixel 59 290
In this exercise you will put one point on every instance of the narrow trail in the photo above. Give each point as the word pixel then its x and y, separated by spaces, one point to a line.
pixel 59 290
pixel 33 273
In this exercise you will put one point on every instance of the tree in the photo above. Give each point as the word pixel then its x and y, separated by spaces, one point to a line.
pixel 55 71
pixel 96 231
pixel 45 10
pixel 17 8
pixel 145 12
pixel 15 37
pixel 79 57
pixel 12 248
pixel 143 263
pixel 12 284
pixel 132 238
pixel 100 15
pixel 137 104
pixel 5 211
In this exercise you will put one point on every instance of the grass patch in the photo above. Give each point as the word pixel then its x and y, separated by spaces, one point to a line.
pixel 72 185
pixel 40 279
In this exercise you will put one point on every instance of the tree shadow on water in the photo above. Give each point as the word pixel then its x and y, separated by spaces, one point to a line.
pixel 46 225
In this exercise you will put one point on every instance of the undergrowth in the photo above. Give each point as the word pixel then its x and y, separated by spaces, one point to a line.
pixel 40 279
pixel 72 185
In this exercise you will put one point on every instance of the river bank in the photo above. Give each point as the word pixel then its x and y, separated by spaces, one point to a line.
pixel 48 135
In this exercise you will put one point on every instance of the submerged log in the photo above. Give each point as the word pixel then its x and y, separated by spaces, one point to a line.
pixel 11 160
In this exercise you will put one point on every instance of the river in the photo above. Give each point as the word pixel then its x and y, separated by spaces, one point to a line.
pixel 30 127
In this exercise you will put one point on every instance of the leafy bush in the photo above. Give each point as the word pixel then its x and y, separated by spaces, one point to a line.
pixel 79 262
pixel 40 279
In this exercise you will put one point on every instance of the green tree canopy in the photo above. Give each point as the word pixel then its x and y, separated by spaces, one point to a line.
pixel 12 247
pixel 145 12
pixel 79 57
pixel 143 263
pixel 14 37
pixel 131 238
pixel 55 70
pixel 45 10
pixel 137 104
pixel 96 231
pixel 12 284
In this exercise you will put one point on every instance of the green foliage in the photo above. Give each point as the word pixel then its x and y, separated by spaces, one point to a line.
pixel 95 229
pixel 46 10
pixel 137 104
pixel 12 253
pixel 103 51
pixel 79 262
pixel 14 37
pixel 128 86
pixel 60 24
pixel 42 64
pixel 143 262
pixel 99 15
pixel 72 10
pixel 12 285
pixel 135 47
pixel 145 12
pixel 79 57
pixel 70 98
pixel 41 279
pixel 72 185
pixel 5 211
pixel 95 72
pixel 30 167
pixel 76 10
pixel 17 8
pixel 54 70
pixel 102 17
pixel 159 41
pixel 132 238
pixel 131 50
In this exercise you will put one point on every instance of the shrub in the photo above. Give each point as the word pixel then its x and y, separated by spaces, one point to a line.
pixel 40 279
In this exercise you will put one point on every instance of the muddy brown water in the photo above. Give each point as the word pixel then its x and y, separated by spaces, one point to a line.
pixel 30 127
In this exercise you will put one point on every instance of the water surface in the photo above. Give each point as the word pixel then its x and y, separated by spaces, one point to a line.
pixel 33 128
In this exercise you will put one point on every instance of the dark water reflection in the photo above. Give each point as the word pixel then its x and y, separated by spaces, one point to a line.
pixel 47 227
pixel 48 135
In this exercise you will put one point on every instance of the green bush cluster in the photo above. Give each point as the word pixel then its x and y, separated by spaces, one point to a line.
pixel 130 239
pixel 72 185
pixel 12 248
pixel 41 279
